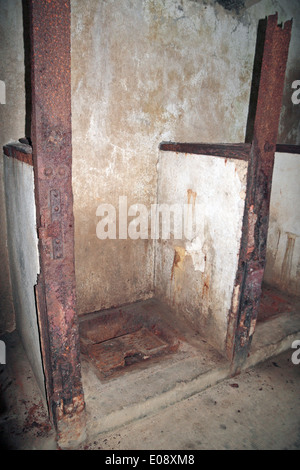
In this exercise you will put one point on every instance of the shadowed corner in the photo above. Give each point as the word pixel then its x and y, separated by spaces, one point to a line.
pixel 27 68
pixel 232 5
pixel 259 49
pixel 5 383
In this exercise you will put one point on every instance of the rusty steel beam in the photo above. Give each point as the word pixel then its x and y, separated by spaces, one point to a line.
pixel 237 151
pixel 50 40
pixel 252 258
pixel 288 148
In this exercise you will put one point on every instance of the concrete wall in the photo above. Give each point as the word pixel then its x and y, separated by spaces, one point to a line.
pixel 142 72
pixel 145 72
pixel 12 119
pixel 195 275
pixel 283 247
pixel 23 255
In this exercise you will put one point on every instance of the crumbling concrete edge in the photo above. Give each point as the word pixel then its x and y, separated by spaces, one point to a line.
pixel 181 391
pixel 270 350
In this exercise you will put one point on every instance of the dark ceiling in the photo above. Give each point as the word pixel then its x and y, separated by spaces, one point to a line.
pixel 235 5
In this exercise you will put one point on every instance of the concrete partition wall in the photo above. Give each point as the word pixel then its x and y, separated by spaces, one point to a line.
pixel 144 72
pixel 141 71
pixel 195 275
pixel 283 247
pixel 23 256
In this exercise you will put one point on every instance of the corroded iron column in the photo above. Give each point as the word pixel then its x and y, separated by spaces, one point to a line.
pixel 50 40
pixel 247 291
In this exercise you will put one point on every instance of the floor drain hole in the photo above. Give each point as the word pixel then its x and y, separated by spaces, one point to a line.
pixel 130 359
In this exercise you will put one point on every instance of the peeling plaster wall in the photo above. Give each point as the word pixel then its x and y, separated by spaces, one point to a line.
pixel 283 247
pixel 141 73
pixel 12 119
pixel 195 275
pixel 146 71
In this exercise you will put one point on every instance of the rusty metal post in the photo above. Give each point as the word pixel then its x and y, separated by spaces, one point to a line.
pixel 50 39
pixel 247 291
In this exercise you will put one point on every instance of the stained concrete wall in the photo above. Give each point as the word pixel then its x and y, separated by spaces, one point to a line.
pixel 145 72
pixel 195 275
pixel 12 119
pixel 24 256
pixel 283 247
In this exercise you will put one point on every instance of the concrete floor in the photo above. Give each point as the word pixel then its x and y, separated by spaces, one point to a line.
pixel 259 409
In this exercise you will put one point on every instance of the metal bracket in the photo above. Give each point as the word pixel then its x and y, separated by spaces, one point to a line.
pixel 55 206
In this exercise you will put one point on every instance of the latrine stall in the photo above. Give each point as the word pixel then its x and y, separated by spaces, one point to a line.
pixel 144 276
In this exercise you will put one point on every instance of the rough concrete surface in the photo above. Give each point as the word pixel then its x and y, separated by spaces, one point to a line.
pixel 144 72
pixel 195 274
pixel 258 409
pixel 283 246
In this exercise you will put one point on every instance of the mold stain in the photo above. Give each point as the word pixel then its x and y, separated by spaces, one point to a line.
pixel 288 258
pixel 271 261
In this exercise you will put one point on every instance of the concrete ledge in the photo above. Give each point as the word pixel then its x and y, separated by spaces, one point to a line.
pixel 20 151
pixel 143 393
pixel 274 337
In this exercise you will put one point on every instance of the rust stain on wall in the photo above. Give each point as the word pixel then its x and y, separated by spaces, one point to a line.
pixel 179 255
pixel 252 218
pixel 191 194
pixel 205 288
